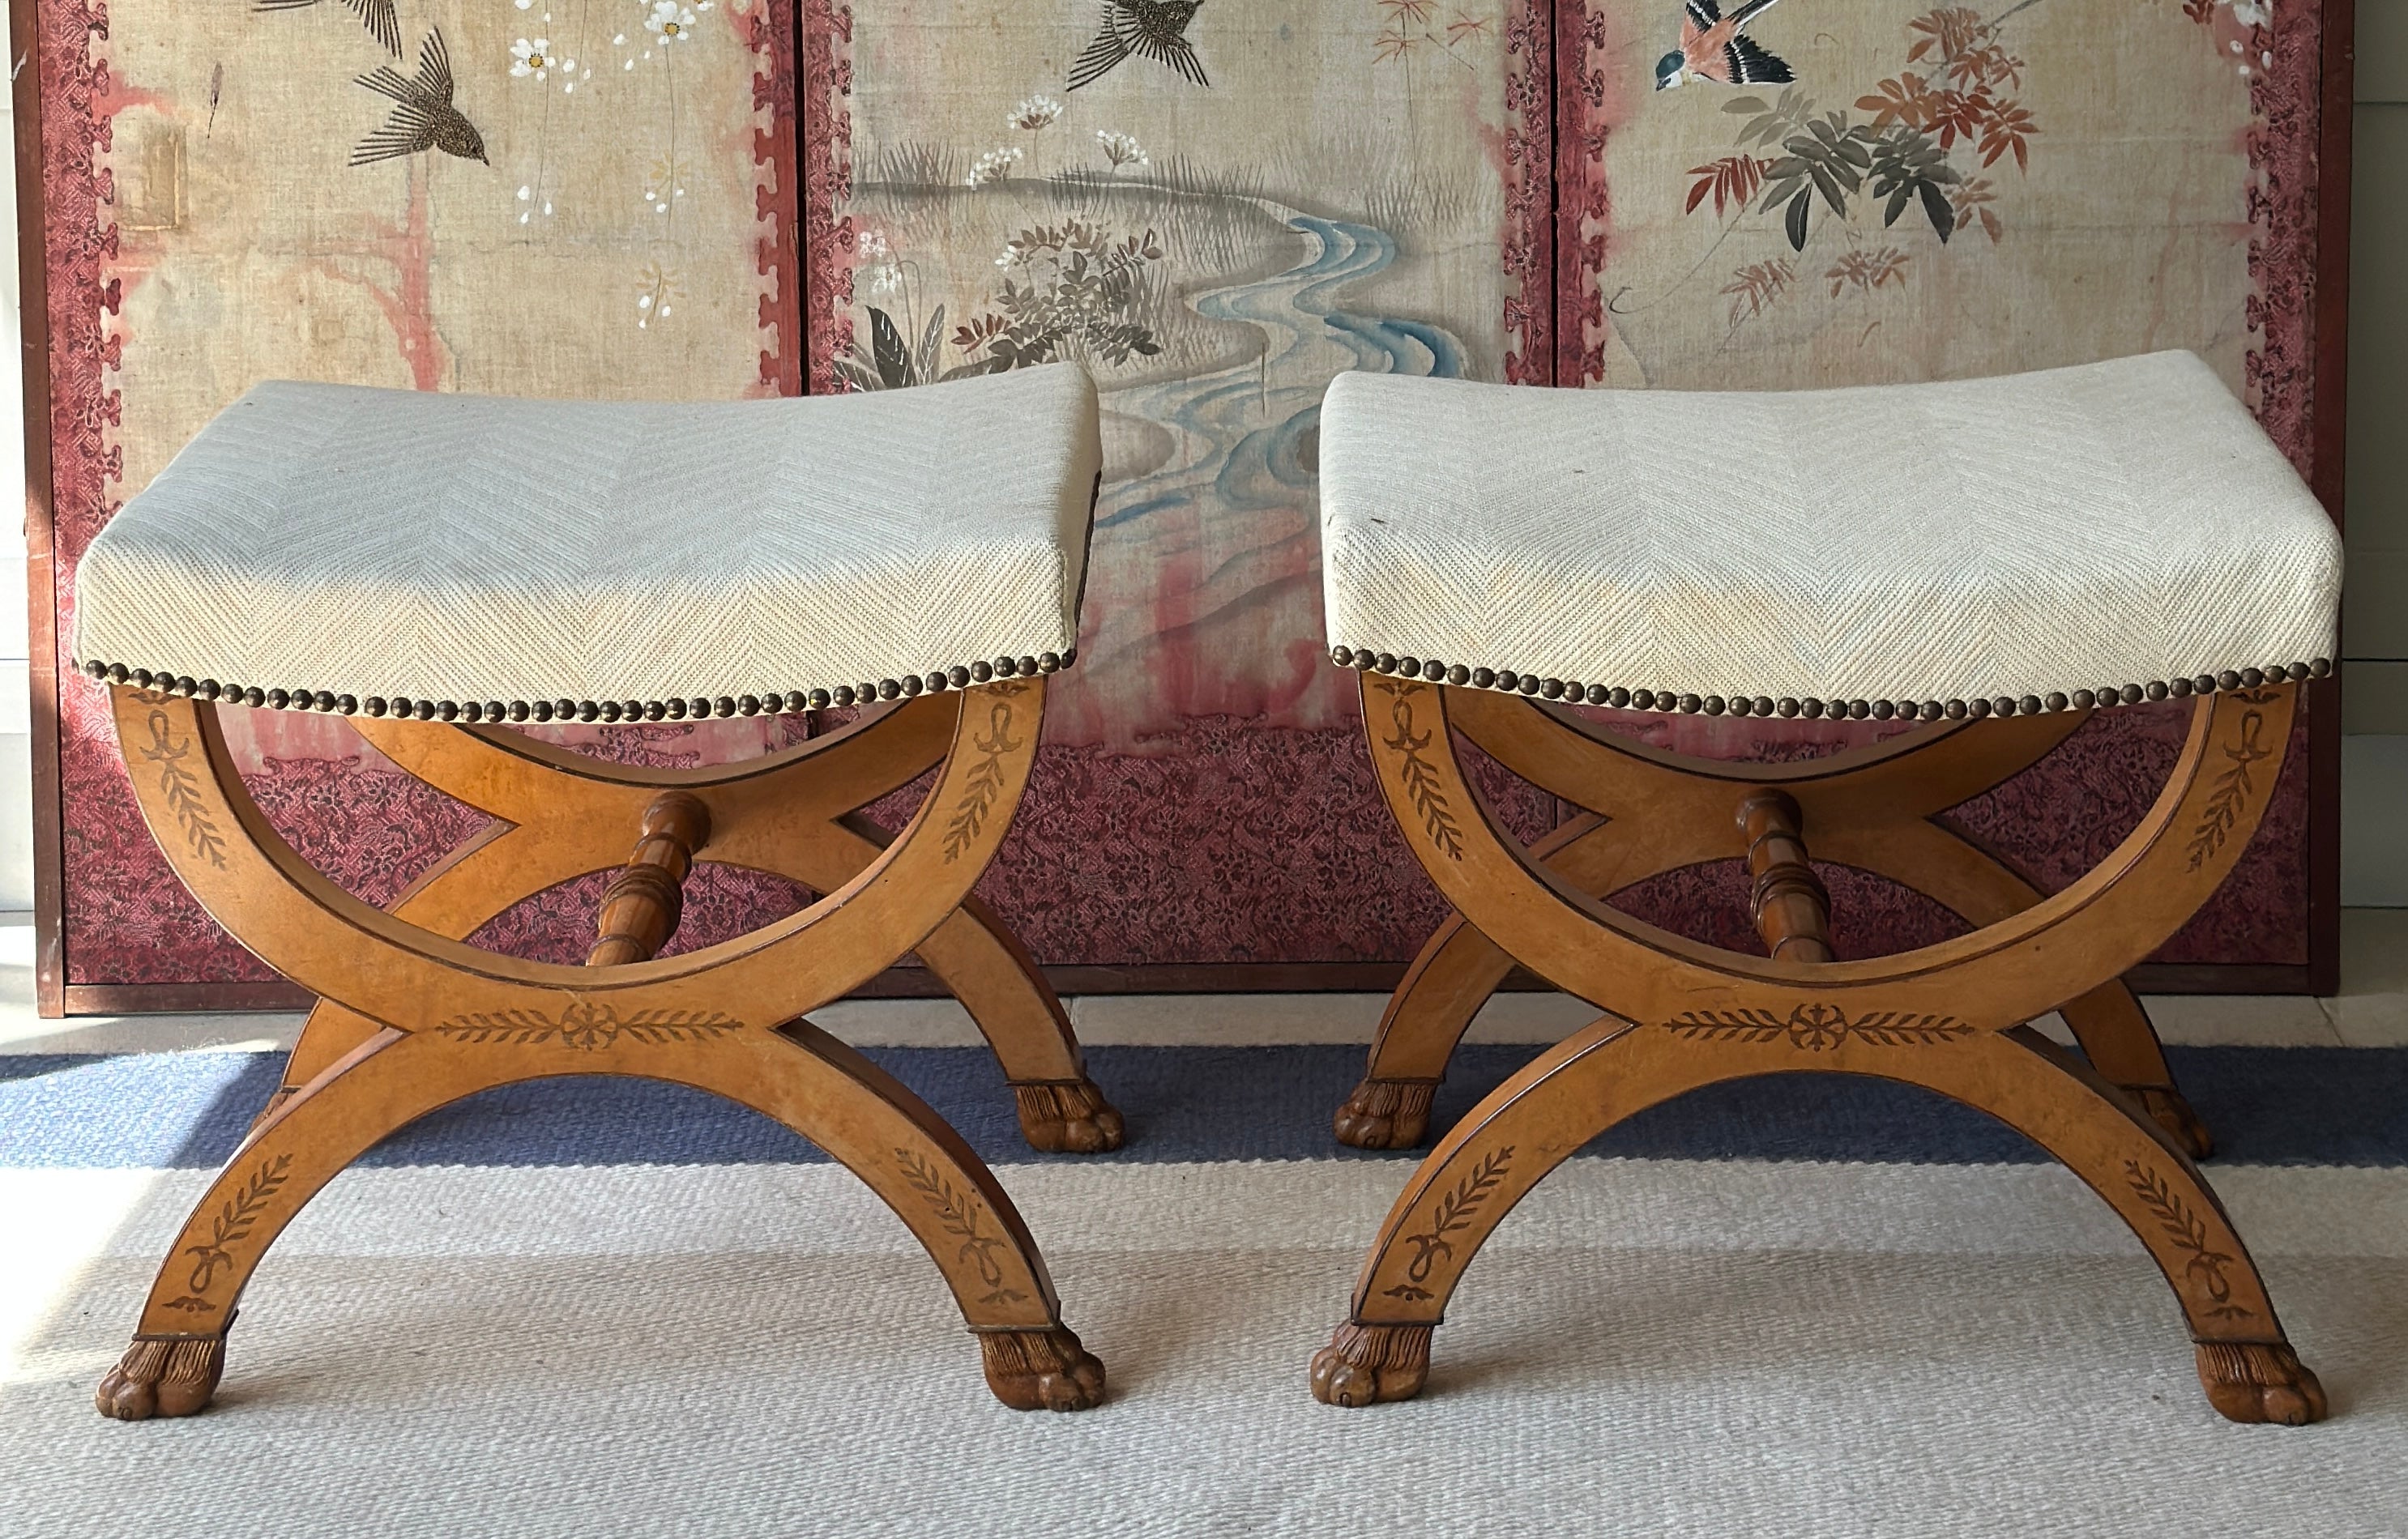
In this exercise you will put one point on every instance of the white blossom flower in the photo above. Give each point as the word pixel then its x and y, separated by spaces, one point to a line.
pixel 533 58
pixel 871 244
pixel 670 21
pixel 994 166
pixel 2252 13
pixel 1122 149
pixel 1036 112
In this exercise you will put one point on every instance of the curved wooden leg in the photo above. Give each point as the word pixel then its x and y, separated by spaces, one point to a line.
pixel 982 963
pixel 1970 879
pixel 1455 973
pixel 1612 1070
pixel 804 1078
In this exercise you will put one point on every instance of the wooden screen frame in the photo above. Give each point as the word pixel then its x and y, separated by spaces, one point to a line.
pixel 54 996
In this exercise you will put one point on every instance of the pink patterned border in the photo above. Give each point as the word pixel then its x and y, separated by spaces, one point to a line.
pixel 1529 193
pixel 780 205
pixel 828 185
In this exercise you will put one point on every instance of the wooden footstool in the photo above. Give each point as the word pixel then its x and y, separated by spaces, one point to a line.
pixel 1994 558
pixel 440 567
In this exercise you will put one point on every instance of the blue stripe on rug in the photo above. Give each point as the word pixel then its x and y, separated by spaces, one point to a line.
pixel 2266 1106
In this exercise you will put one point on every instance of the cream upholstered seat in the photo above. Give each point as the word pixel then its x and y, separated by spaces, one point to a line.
pixel 2113 531
pixel 363 550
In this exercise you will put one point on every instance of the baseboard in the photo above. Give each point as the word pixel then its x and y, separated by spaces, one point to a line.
pixel 1237 977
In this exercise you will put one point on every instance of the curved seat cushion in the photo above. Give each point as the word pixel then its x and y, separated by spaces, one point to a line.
pixel 2114 530
pixel 400 549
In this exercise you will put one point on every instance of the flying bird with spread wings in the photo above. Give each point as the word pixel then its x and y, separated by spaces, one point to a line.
pixel 1714 47
pixel 425 117
pixel 376 15
pixel 1150 29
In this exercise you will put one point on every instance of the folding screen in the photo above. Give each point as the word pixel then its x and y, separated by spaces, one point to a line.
pixel 1215 207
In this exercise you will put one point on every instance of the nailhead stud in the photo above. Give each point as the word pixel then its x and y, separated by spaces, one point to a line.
pixel 2133 694
pixel 1485 678
pixel 981 672
pixel 519 711
pixel 2083 700
pixel 1342 656
pixel 818 699
pixel 1409 667
pixel 473 712
pixel 2252 678
pixel 1530 685
pixel 2320 668
pixel 373 705
pixel 1553 689
pixel 1030 667
pixel 1690 705
pixel 1642 700
pixel 1458 674
pixel 2155 690
pixel 541 710
pixel 1618 697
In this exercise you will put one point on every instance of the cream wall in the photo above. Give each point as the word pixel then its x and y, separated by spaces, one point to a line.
pixel 2374 761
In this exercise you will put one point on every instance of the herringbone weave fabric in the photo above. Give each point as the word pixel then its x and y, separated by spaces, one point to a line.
pixel 461 548
pixel 2083 528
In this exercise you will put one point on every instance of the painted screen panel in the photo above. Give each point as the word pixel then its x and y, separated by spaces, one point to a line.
pixel 1216 209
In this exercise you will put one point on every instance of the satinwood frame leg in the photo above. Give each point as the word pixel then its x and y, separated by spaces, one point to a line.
pixel 444 1019
pixel 1681 1015
pixel 559 814
pixel 1650 812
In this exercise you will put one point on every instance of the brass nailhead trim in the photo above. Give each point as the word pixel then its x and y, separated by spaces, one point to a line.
pixel 1510 682
pixel 767 702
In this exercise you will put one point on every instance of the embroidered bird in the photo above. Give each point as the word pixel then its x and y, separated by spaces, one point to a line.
pixel 1714 48
pixel 425 119
pixel 1154 29
pixel 376 15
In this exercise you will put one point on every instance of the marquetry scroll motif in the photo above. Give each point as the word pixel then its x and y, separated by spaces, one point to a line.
pixel 2236 785
pixel 2188 1234
pixel 1816 1028
pixel 182 788
pixel 960 1216
pixel 1422 781
pixel 588 1027
pixel 983 785
pixel 1453 1214
pixel 229 1228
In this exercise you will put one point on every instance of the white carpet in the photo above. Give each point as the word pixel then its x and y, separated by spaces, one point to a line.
pixel 1673 1346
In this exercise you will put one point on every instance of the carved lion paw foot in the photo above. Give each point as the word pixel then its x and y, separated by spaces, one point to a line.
pixel 1386 1114
pixel 2260 1381
pixel 1067 1118
pixel 1042 1369
pixel 1365 1364
pixel 2170 1111
pixel 163 1375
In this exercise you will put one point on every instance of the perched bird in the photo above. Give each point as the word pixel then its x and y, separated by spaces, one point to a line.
pixel 1154 29
pixel 1714 47
pixel 425 119
pixel 376 15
